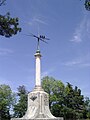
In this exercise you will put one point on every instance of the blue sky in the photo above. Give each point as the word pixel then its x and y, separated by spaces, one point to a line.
pixel 66 57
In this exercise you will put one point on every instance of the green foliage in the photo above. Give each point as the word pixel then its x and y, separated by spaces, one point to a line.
pixel 88 114
pixel 53 88
pixel 87 104
pixel 21 105
pixel 6 100
pixel 8 25
pixel 87 5
pixel 64 100
pixel 74 102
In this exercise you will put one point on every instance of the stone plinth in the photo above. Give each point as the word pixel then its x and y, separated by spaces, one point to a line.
pixel 38 106
pixel 38 119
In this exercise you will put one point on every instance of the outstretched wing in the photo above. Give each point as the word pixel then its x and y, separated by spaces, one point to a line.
pixel 47 39
pixel 33 35
pixel 43 40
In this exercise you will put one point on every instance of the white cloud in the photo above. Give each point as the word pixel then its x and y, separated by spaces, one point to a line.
pixel 39 20
pixel 72 63
pixel 81 30
pixel 83 61
pixel 77 38
pixel 5 51
pixel 75 63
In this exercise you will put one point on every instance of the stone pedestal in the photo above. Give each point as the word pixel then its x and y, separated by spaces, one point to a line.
pixel 38 106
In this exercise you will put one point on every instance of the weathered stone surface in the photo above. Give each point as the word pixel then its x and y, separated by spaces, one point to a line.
pixel 38 106
pixel 39 119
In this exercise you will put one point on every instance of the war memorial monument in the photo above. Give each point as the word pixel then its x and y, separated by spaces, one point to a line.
pixel 38 100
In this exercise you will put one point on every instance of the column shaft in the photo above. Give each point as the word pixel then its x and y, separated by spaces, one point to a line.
pixel 38 71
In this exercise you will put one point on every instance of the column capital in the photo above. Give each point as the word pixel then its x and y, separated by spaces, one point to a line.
pixel 37 54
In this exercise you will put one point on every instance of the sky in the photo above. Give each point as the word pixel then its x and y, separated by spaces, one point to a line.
pixel 66 57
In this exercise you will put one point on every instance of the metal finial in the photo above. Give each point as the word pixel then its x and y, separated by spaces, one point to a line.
pixel 40 37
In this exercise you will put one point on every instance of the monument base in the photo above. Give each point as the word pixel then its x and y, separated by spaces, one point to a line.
pixel 38 119
pixel 38 106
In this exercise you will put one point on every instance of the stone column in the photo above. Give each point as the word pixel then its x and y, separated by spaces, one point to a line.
pixel 38 69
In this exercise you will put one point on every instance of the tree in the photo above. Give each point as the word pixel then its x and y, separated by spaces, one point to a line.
pixel 6 100
pixel 21 105
pixel 87 105
pixel 74 102
pixel 55 89
pixel 8 25
pixel 87 4
pixel 65 101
